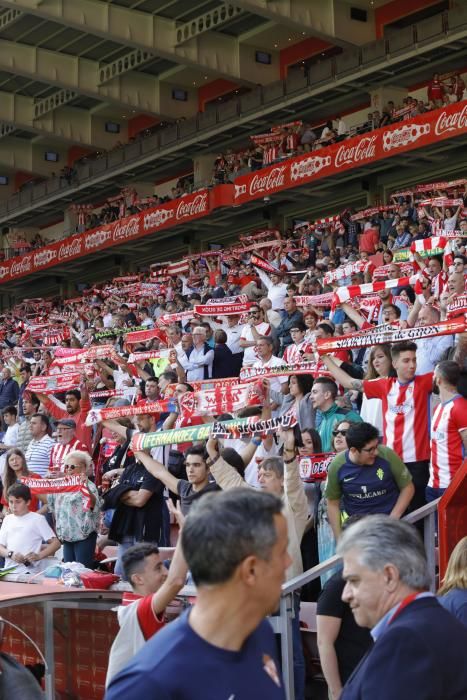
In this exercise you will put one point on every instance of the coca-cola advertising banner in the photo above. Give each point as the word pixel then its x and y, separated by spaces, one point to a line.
pixel 417 132
pixel 149 221
pixel 404 136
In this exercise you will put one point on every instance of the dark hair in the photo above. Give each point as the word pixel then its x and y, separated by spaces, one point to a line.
pixel 405 346
pixel 32 398
pixel 329 385
pixel 10 409
pixel 199 450
pixel 19 491
pixel 133 559
pixel 316 438
pixel 300 325
pixel 9 476
pixel 454 375
pixel 25 368
pixel 170 375
pixel 45 419
pixel 360 434
pixel 74 392
pixel 410 293
pixel 395 308
pixel 144 310
pixel 224 528
pixel 326 327
pixel 304 381
pixel 220 336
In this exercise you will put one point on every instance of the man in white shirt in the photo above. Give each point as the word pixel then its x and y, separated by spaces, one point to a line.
pixel 264 346
pixel 197 364
pixel 251 332
pixel 22 534
pixel 277 290
pixel 145 319
pixel 40 447
pixel 272 317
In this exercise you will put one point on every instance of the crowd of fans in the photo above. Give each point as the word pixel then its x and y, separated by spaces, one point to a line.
pixel 277 328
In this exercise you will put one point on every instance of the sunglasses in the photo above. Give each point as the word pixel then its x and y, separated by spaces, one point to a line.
pixel 340 432
pixel 70 467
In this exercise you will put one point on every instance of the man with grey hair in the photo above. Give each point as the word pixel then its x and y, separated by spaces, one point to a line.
pixel 197 362
pixel 235 545
pixel 419 648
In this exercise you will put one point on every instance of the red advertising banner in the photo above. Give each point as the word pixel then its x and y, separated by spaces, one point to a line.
pixel 149 221
pixel 422 130
pixel 398 138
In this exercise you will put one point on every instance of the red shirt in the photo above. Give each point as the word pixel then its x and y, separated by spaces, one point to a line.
pixel 83 432
pixel 60 452
pixel 406 413
pixel 368 241
pixel 34 505
pixel 447 453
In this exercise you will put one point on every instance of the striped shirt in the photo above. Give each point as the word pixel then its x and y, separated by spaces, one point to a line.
pixel 60 452
pixel 406 414
pixel 447 453
pixel 38 455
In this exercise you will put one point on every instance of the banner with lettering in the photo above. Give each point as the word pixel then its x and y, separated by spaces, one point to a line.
pixel 315 467
pixel 213 402
pixel 97 415
pixel 65 484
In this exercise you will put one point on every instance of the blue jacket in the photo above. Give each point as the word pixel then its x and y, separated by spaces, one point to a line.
pixel 9 392
pixel 420 656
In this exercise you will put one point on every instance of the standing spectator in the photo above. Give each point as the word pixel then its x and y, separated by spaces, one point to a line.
pixel 291 316
pixel 10 438
pixel 25 374
pixel 323 399
pixel 277 290
pixel 240 655
pixel 40 447
pixel 387 582
pixel 9 389
pixel 223 359
pixel 369 240
pixel 31 406
pixel 448 444
pixel 254 329
pixel 15 468
pixel 66 442
pixel 266 358
pixel 405 411
pixel 367 478
pixel 197 362
pixel 75 526
pixel 76 407
pixel 435 90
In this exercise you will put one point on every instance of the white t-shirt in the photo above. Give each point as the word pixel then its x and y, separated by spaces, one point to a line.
pixel 10 438
pixel 24 534
pixel 250 356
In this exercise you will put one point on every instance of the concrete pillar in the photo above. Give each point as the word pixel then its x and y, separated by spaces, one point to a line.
pixel 203 168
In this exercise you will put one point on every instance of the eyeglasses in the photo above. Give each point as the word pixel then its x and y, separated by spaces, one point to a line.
pixel 340 432
pixel 369 449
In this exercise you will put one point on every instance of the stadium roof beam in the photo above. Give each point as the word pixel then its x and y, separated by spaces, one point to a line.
pixel 81 75
pixel 313 17
pixel 213 51
pixel 207 22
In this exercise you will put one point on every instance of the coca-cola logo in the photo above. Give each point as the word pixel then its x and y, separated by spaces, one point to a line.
pixel 157 218
pixel 126 229
pixel 268 182
pixel 197 206
pixel 44 257
pixel 4 271
pixel 363 150
pixel 69 250
pixel 405 135
pixel 97 239
pixel 451 122
pixel 22 266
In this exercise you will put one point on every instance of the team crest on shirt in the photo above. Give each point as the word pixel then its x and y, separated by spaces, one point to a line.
pixel 401 409
pixel 380 474
pixel 269 665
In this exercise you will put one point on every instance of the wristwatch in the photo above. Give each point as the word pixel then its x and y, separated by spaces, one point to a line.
pixel 10 554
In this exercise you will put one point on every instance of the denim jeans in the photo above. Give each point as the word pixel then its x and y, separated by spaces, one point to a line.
pixel 81 551
pixel 432 494
pixel 298 658
pixel 125 544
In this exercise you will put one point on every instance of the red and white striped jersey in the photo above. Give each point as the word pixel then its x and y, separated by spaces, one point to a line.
pixel 60 452
pixel 447 451
pixel 293 353
pixel 406 414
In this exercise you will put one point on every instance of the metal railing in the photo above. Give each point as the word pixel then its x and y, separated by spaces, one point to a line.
pixel 282 623
pixel 330 73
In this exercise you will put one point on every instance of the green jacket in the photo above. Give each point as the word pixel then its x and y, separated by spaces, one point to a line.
pixel 327 421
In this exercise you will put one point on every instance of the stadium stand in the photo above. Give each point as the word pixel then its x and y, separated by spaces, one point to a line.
pixel 233 255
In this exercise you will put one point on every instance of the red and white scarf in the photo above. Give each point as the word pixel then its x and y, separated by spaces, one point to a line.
pixel 64 484
pixel 213 402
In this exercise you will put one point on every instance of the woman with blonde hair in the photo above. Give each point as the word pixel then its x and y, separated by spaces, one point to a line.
pixel 453 591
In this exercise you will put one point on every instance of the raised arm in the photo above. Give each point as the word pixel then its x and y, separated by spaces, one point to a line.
pixel 158 470
pixel 340 376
